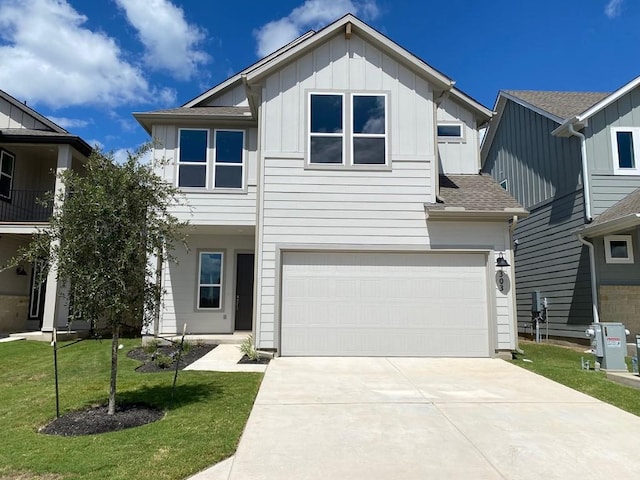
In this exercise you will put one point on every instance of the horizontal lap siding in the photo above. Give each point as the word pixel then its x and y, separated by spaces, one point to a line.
pixel 607 190
pixel 550 259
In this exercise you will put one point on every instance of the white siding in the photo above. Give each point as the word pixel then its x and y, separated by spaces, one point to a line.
pixel 210 207
pixel 14 117
pixel 234 97
pixel 180 281
pixel 455 156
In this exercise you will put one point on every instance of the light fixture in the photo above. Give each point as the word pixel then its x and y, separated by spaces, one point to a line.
pixel 21 271
pixel 501 261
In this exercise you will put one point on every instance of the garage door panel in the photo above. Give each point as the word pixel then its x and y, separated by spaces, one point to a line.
pixel 384 304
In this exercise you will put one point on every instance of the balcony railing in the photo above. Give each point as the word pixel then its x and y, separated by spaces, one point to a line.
pixel 25 206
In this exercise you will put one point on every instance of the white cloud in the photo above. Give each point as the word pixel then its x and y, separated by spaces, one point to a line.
pixel 312 14
pixel 171 43
pixel 613 8
pixel 49 57
pixel 122 155
pixel 68 123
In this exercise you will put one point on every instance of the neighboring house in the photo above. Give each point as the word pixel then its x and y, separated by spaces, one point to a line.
pixel 32 150
pixel 571 158
pixel 337 207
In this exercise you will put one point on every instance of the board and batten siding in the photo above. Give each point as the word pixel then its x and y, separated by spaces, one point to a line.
pixel 536 165
pixel 14 117
pixel 624 112
pixel 236 97
pixel 207 207
pixel 458 156
pixel 550 259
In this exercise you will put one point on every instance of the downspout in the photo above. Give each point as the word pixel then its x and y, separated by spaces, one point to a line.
pixel 592 268
pixel 585 173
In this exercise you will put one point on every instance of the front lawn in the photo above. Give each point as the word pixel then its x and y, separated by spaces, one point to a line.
pixel 202 425
pixel 562 364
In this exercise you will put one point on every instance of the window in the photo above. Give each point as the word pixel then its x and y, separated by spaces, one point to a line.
pixel 347 129
pixel 192 160
pixel 450 131
pixel 505 184
pixel 618 249
pixel 210 280
pixel 7 162
pixel 625 143
pixel 229 158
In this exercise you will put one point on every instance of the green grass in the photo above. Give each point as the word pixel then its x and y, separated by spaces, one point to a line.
pixel 202 424
pixel 563 365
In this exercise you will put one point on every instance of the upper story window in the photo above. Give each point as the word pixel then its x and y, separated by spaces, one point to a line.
pixel 7 163
pixel 618 249
pixel 347 129
pixel 221 169
pixel 625 142
pixel 450 131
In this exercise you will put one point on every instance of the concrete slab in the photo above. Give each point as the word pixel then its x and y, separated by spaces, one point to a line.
pixel 220 471
pixel 376 418
pixel 224 358
pixel 11 339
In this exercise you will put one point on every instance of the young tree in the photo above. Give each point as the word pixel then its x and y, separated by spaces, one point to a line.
pixel 111 220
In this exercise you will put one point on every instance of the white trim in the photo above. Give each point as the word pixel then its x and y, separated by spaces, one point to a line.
pixel 450 138
pixel 220 285
pixel 605 102
pixel 353 135
pixel 506 184
pixel 342 134
pixel 635 138
pixel 205 163
pixel 618 238
pixel 242 163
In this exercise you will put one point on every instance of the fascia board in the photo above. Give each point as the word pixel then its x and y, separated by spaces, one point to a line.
pixel 494 124
pixel 483 112
pixel 616 225
pixel 475 215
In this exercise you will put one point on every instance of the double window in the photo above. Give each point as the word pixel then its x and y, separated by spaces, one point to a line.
pixel 221 167
pixel 210 280
pixel 348 129
pixel 7 163
pixel 625 143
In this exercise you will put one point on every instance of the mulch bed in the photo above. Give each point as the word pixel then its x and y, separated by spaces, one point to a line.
pixel 259 361
pixel 149 366
pixel 96 420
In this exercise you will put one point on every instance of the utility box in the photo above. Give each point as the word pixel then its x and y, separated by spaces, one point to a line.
pixel 609 345
pixel 536 301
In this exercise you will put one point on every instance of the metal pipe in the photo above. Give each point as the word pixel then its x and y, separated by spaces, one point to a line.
pixel 585 173
pixel 594 286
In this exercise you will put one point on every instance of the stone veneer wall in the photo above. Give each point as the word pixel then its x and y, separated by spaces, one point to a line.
pixel 621 303
pixel 13 313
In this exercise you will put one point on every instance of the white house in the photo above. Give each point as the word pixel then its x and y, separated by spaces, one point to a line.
pixel 337 206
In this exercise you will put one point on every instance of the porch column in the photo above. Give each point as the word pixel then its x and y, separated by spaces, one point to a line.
pixel 54 314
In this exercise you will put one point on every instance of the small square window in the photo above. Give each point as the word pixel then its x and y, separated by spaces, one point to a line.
pixel 618 249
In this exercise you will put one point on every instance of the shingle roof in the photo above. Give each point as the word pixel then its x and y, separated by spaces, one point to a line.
pixel 629 205
pixel 561 104
pixel 28 135
pixel 473 193
pixel 222 111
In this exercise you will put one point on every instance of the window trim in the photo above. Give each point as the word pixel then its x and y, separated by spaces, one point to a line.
pixel 220 285
pixel 635 137
pixel 347 133
pixel 206 163
pixel 242 164
pixel 451 138
pixel 504 183
pixel 6 153
pixel 628 239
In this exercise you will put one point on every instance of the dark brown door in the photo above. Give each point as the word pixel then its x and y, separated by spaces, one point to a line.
pixel 244 291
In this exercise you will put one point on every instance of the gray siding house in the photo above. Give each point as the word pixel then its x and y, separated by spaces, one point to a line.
pixel 571 158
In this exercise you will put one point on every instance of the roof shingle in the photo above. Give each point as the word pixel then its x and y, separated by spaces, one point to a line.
pixel 473 193
pixel 560 104
pixel 629 205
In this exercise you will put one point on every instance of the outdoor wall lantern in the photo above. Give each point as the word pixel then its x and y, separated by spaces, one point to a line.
pixel 501 261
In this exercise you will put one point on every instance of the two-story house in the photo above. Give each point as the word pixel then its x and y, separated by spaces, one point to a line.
pixel 571 158
pixel 337 207
pixel 32 150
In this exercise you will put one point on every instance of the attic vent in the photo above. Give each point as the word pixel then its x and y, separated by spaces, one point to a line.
pixel 347 31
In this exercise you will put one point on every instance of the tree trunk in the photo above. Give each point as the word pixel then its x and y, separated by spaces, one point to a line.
pixel 115 330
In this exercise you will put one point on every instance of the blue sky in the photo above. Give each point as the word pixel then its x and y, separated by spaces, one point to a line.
pixel 87 64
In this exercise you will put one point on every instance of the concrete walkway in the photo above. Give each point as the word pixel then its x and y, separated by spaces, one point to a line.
pixel 404 418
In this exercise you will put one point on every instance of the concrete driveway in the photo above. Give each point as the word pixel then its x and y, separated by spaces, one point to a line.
pixel 408 418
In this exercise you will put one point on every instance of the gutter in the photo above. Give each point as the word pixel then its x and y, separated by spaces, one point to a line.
pixel 592 268
pixel 585 173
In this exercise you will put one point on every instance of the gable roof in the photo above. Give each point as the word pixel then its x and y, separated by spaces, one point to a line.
pixel 473 195
pixel 252 75
pixel 621 216
pixel 30 111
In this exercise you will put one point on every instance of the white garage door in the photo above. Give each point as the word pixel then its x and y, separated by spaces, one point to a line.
pixel 384 304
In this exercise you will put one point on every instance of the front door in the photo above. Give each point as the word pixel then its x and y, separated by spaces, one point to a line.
pixel 244 291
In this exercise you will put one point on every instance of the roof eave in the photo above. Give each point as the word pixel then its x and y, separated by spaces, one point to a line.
pixel 64 139
pixel 147 120
pixel 612 226
pixel 460 213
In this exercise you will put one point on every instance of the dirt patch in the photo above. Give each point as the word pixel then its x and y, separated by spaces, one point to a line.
pixel 163 358
pixel 11 475
pixel 96 420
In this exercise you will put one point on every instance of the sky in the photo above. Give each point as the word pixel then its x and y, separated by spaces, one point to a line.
pixel 88 64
